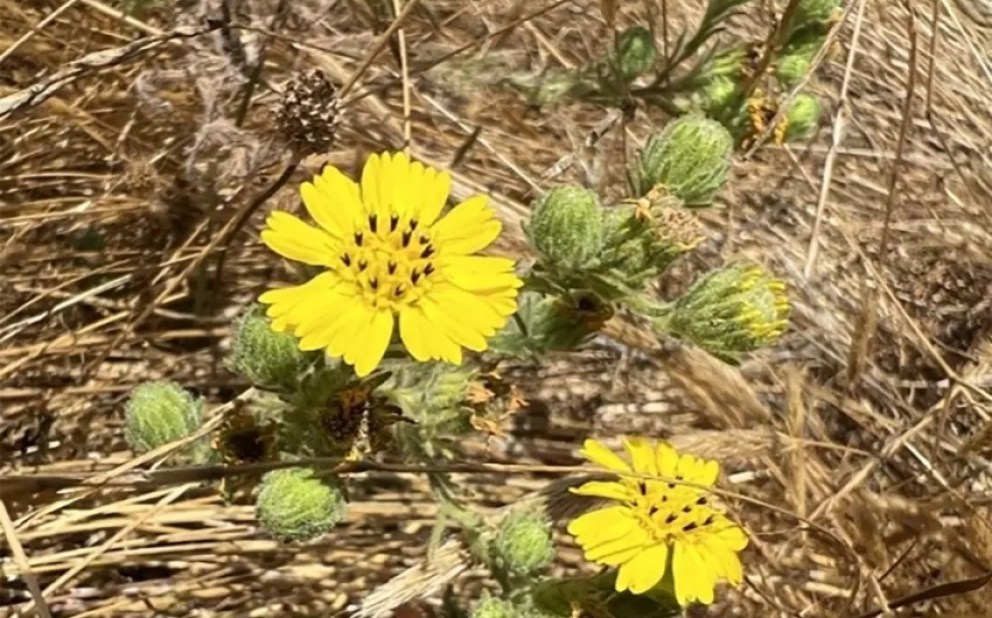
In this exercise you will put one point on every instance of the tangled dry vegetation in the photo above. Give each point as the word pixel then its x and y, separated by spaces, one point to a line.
pixel 131 163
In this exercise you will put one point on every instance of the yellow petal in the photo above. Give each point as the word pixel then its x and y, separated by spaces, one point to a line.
pixel 693 581
pixel 347 329
pixel 425 340
pixel 453 324
pixel 334 201
pixel 642 572
pixel 642 455
pixel 366 355
pixel 623 548
pixel 372 175
pixel 596 452
pixel 604 489
pixel 668 460
pixel 293 239
pixel 730 535
pixel 435 188
pixel 473 310
pixel 722 561
pixel 476 273
pixel 594 523
pixel 469 227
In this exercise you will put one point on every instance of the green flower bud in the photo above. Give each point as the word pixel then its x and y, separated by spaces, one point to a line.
pixel 523 543
pixel 731 310
pixel 267 358
pixel 813 16
pixel 802 117
pixel 158 413
pixel 295 505
pixel 689 158
pixel 795 62
pixel 566 228
pixel 636 53
pixel 492 607
pixel 718 94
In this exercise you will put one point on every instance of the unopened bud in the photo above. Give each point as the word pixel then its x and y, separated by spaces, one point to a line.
pixel 523 543
pixel 267 358
pixel 566 228
pixel 803 117
pixel 636 53
pixel 295 505
pixel 158 413
pixel 689 158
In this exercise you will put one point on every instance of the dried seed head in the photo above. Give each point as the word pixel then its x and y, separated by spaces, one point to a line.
pixel 310 113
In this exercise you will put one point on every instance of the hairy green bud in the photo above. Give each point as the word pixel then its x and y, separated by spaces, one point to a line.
pixel 158 413
pixel 813 16
pixel 293 504
pixel 492 607
pixel 267 358
pixel 689 159
pixel 795 62
pixel 718 94
pixel 523 543
pixel 802 117
pixel 566 227
pixel 731 310
pixel 636 53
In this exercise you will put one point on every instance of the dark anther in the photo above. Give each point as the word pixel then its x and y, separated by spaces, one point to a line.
pixel 642 486
pixel 373 223
pixel 652 510
pixel 346 259
pixel 428 269
pixel 702 501
pixel 671 485
pixel 413 224
pixel 664 498
pixel 671 518
pixel 362 265
pixel 391 267
pixel 427 252
pixel 394 220
pixel 398 291
pixel 709 520
pixel 358 238
pixel 689 527
pixel 687 509
pixel 424 240
pixel 406 238
pixel 374 283
pixel 414 276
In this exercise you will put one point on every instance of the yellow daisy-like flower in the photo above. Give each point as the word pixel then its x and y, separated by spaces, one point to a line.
pixel 387 255
pixel 658 525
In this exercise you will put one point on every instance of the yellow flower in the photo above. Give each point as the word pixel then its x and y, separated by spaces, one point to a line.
pixel 657 525
pixel 387 255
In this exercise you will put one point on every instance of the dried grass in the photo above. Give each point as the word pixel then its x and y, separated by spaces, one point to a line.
pixel 118 191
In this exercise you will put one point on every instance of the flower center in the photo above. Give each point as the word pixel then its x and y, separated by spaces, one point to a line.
pixel 673 512
pixel 390 261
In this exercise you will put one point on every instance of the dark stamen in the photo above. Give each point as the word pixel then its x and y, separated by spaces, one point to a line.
pixel 642 486
pixel 702 501
pixel 398 291
pixel 687 509
pixel 689 527
pixel 414 276
pixel 406 238
pixel 362 265
pixel 709 520
pixel 664 498
pixel 391 267
pixel 373 223
pixel 671 485
pixel 346 259
pixel 428 269
pixel 394 220
pixel 413 224
pixel 374 283
pixel 652 510
pixel 358 238
pixel 671 518
pixel 424 240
